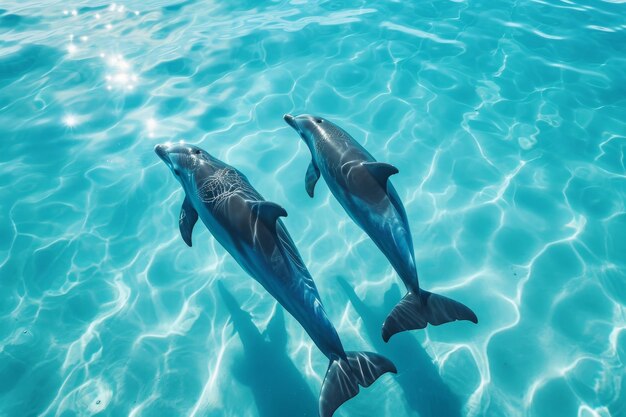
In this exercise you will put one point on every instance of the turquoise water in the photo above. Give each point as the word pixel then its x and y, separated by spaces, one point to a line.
pixel 507 123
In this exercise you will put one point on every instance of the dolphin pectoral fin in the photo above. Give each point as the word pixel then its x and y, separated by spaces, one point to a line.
pixel 268 213
pixel 381 171
pixel 417 311
pixel 186 221
pixel 343 378
pixel 312 175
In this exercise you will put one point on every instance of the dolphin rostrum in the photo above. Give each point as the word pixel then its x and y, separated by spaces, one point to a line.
pixel 249 228
pixel 362 186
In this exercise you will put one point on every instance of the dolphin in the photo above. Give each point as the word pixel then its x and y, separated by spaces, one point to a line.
pixel 362 186
pixel 249 228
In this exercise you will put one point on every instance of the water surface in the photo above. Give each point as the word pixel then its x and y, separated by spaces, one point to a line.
pixel 506 121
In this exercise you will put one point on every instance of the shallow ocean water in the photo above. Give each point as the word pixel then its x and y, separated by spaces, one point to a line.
pixel 507 122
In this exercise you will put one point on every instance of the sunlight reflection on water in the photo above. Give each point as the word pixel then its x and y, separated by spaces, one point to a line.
pixel 506 124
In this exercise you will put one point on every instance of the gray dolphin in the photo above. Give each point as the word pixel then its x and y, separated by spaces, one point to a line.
pixel 249 228
pixel 362 186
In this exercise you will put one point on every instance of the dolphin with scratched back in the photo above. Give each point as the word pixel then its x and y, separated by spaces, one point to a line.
pixel 249 228
pixel 362 186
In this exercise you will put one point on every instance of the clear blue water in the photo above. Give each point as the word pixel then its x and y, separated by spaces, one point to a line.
pixel 506 121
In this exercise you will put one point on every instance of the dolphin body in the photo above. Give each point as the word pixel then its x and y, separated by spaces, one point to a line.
pixel 249 228
pixel 362 186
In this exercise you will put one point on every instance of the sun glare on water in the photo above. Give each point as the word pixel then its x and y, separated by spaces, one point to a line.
pixel 70 120
pixel 121 75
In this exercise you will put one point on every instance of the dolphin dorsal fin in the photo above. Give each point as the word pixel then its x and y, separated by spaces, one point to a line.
pixel 381 171
pixel 187 219
pixel 312 175
pixel 268 212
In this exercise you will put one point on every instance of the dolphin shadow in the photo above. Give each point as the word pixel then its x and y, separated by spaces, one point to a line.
pixel 276 384
pixel 419 378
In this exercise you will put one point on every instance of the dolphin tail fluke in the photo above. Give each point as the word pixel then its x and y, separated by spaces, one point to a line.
pixel 343 378
pixel 416 311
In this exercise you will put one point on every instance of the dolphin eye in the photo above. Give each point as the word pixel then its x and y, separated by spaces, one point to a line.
pixel 318 120
pixel 197 151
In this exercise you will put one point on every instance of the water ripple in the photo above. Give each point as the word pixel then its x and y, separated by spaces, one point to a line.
pixel 505 121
